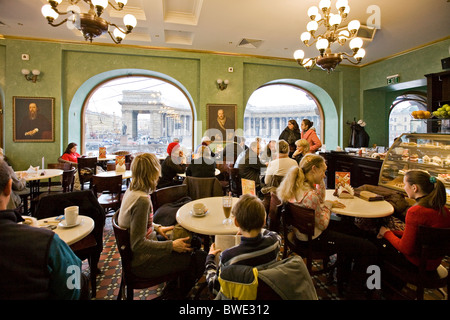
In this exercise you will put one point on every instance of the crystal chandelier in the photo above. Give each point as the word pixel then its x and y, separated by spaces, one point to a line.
pixel 90 24
pixel 327 60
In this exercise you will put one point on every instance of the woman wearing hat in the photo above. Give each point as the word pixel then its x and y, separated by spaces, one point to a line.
pixel 174 163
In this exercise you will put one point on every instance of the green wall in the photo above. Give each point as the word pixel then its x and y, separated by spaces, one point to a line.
pixel 69 71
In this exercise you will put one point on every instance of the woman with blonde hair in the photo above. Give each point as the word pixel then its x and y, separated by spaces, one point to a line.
pixel 151 256
pixel 304 185
pixel 302 149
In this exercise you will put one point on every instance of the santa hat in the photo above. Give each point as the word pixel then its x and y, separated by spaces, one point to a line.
pixel 172 146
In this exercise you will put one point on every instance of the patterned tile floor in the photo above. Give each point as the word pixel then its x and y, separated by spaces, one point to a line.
pixel 109 279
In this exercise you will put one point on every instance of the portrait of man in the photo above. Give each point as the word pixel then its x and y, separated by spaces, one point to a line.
pixel 221 122
pixel 33 119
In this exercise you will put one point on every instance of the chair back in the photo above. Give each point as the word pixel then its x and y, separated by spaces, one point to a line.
pixel 274 216
pixel 87 168
pixel 302 219
pixel 434 243
pixel 68 179
pixel 54 204
pixel 123 245
pixel 110 166
pixel 111 184
pixel 198 188
pixel 60 165
pixel 167 195
pixel 235 182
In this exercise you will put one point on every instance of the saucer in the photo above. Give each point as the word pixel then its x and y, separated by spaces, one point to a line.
pixel 199 215
pixel 63 224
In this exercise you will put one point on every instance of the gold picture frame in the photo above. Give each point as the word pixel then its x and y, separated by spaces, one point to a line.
pixel 33 119
pixel 221 121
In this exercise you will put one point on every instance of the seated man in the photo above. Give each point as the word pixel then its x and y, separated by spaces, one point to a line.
pixel 250 165
pixel 35 263
pixel 281 165
pixel 257 246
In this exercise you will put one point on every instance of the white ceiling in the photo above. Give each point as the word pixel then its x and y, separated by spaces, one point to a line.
pixel 220 26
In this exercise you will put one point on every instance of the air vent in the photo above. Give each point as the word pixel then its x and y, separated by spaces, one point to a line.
pixel 250 43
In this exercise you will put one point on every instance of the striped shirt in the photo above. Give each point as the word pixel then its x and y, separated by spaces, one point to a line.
pixel 261 249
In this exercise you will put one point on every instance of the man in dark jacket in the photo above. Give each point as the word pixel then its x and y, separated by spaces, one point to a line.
pixel 250 165
pixel 35 263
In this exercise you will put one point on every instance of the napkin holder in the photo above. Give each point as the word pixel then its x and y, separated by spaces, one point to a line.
pixel 33 170
pixel 369 196
pixel 344 192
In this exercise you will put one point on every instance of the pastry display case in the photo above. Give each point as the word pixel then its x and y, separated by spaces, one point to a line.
pixel 429 152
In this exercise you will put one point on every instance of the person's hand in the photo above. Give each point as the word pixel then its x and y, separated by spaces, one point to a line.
pixel 213 250
pixel 180 245
pixel 162 230
pixel 382 232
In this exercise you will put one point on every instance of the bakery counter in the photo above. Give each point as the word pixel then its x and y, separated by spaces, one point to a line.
pixel 363 170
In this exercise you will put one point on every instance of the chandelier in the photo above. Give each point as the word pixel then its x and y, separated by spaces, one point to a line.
pixel 327 60
pixel 90 24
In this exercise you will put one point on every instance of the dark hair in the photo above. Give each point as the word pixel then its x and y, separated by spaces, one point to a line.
pixel 69 147
pixel 5 175
pixel 249 212
pixel 434 189
pixel 308 123
pixel 295 124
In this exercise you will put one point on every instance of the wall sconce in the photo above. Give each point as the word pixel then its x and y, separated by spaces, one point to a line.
pixel 222 84
pixel 31 75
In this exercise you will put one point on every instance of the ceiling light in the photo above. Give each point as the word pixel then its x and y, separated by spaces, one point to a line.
pixel 90 24
pixel 327 60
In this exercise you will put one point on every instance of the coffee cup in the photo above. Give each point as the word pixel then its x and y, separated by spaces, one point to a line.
pixel 71 215
pixel 199 209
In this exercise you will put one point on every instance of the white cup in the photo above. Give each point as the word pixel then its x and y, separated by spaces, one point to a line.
pixel 199 209
pixel 71 215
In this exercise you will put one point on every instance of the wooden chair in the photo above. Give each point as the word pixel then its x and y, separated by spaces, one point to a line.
pixel 434 243
pixel 274 213
pixel 60 165
pixel 235 182
pixel 302 219
pixel 129 281
pixel 198 188
pixel 87 168
pixel 72 164
pixel 89 247
pixel 108 191
pixel 167 195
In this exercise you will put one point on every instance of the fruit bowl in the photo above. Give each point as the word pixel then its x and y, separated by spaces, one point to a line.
pixel 442 112
pixel 421 114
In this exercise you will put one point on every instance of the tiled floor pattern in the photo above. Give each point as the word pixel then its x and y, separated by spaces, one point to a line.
pixel 109 279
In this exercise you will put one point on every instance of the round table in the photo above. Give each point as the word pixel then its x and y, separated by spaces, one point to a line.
pixel 361 208
pixel 125 174
pixel 72 234
pixel 209 224
pixel 34 178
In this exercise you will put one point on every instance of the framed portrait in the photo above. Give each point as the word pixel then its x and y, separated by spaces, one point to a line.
pixel 33 119
pixel 221 121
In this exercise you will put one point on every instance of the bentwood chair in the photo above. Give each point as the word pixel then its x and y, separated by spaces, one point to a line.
pixel 433 243
pixel 129 281
pixel 87 168
pixel 108 191
pixel 301 218
pixel 235 182
pixel 165 195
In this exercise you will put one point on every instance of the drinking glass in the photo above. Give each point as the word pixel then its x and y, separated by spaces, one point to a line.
pixel 226 205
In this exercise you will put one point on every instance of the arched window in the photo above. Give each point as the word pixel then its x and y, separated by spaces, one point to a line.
pixel 271 107
pixel 137 114
pixel 400 115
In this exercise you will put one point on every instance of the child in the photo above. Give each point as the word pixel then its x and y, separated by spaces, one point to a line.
pixel 257 246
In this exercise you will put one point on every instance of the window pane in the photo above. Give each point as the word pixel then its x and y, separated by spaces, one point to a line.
pixel 271 107
pixel 137 114
pixel 400 116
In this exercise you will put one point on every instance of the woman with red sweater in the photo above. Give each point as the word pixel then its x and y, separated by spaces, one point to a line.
pixel 309 134
pixel 429 210
pixel 70 154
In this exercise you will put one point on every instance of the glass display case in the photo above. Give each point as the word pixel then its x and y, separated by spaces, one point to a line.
pixel 429 152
